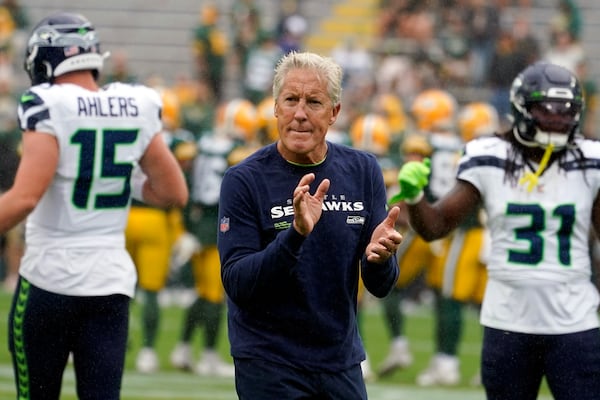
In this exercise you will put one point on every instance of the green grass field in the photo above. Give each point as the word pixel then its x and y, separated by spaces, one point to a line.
pixel 171 384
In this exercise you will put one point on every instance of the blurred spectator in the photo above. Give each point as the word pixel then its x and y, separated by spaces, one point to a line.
pixel 416 20
pixel 455 42
pixel 419 25
pixel 119 69
pixel 397 74
pixel 565 50
pixel 20 18
pixel 523 4
pixel 7 31
pixel 197 115
pixel 210 49
pixel 526 42
pixel 568 17
pixel 355 60
pixel 247 24
pixel 483 26
pixel 260 67
pixel 390 15
pixel 507 61
pixel 10 134
pixel 291 27
pixel 11 244
pixel 589 115
pixel 18 13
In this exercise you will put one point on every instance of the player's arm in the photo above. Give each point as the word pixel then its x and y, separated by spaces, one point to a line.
pixel 36 170
pixel 594 240
pixel 433 221
pixel 165 185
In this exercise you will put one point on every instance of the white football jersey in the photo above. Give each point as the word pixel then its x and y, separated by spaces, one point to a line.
pixel 75 236
pixel 444 159
pixel 539 264
pixel 209 167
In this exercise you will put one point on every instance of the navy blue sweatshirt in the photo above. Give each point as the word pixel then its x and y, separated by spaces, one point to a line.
pixel 291 299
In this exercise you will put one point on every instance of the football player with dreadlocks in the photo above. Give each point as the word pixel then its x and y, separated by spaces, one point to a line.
pixel 538 183
pixel 81 146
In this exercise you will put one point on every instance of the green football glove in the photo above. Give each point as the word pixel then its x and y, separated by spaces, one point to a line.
pixel 413 177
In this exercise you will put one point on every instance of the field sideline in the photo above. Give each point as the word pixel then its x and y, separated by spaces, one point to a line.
pixel 170 384
pixel 179 386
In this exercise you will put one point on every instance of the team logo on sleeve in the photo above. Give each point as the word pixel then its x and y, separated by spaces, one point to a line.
pixel 224 224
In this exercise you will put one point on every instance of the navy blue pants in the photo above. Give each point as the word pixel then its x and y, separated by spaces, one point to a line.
pixel 513 365
pixel 258 379
pixel 45 327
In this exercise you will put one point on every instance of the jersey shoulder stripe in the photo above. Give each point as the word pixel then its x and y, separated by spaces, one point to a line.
pixel 591 152
pixel 489 151
pixel 32 110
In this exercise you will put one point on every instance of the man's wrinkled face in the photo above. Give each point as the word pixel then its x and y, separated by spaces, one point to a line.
pixel 304 112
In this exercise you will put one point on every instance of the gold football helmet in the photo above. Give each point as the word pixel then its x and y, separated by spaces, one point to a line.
pixel 267 123
pixel 371 132
pixel 391 107
pixel 416 144
pixel 434 110
pixel 171 110
pixel 477 119
pixel 237 119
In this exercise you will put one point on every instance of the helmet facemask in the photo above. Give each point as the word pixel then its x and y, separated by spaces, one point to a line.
pixel 546 101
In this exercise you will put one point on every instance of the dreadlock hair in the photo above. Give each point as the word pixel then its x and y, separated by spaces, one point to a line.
pixel 517 158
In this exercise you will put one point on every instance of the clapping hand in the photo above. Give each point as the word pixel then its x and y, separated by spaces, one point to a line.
pixel 385 239
pixel 308 208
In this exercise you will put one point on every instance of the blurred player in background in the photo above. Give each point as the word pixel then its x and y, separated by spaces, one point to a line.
pixel 12 242
pixel 391 107
pixel 267 123
pixel 475 120
pixel 149 235
pixel 210 48
pixel 414 257
pixel 371 132
pixel 82 146
pixel 233 139
pixel 434 112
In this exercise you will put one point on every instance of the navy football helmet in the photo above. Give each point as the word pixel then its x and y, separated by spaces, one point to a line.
pixel 546 102
pixel 61 43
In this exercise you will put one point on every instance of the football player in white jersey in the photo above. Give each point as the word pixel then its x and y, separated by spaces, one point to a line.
pixel 74 187
pixel 539 185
